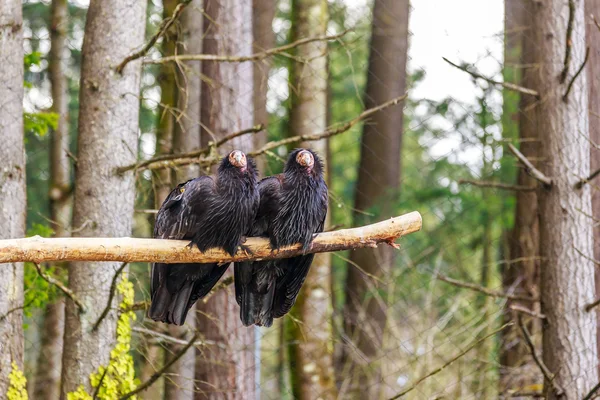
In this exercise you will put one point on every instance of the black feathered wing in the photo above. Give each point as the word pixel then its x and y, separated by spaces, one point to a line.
pixel 255 282
pixel 176 287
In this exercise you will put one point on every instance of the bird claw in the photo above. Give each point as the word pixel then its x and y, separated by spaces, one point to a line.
pixel 246 249
pixel 394 245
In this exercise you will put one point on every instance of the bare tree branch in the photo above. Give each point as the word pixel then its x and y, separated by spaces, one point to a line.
pixel 38 249
pixel 568 42
pixel 527 311
pixel 161 371
pixel 592 392
pixel 585 60
pixel 111 296
pixel 329 132
pixel 453 359
pixel 161 337
pixel 529 168
pixel 68 292
pixel 506 85
pixel 545 371
pixel 484 290
pixel 164 27
pixel 592 305
pixel 582 182
pixel 253 57
pixel 164 161
pixel 496 185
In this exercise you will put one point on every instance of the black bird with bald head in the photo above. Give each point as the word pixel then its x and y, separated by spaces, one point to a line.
pixel 210 211
pixel 293 206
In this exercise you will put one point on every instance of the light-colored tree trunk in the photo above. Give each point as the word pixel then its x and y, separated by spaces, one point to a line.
pixel 519 122
pixel 566 236
pixel 49 365
pixel 226 372
pixel 104 200
pixel 592 7
pixel 186 137
pixel 264 39
pixel 311 360
pixel 13 201
pixel 378 181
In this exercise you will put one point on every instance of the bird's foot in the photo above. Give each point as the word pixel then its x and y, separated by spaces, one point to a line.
pixel 394 245
pixel 245 249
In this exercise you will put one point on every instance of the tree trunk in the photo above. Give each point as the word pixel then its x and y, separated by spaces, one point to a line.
pixel 567 270
pixel 186 137
pixel 167 115
pixel 519 121
pixel 311 365
pixel 264 39
pixel 592 7
pixel 104 200
pixel 226 372
pixel 49 365
pixel 378 182
pixel 13 199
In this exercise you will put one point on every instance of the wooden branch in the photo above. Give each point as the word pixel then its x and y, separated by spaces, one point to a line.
pixel 111 296
pixel 506 85
pixel 592 305
pixel 527 311
pixel 496 185
pixel 568 42
pixel 68 292
pixel 484 290
pixel 161 371
pixel 572 81
pixel 453 359
pixel 329 132
pixel 582 182
pixel 161 337
pixel 164 27
pixel 164 161
pixel 38 249
pixel 529 168
pixel 253 57
pixel 592 392
pixel 545 371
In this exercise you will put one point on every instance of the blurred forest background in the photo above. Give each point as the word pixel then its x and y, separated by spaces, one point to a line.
pixel 428 321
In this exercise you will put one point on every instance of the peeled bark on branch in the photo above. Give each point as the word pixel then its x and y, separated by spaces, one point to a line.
pixel 38 249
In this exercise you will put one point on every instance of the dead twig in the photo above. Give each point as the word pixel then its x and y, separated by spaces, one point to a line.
pixel 164 160
pixel 527 311
pixel 161 371
pixel 496 185
pixel 162 30
pixel 592 305
pixel 484 290
pixel 582 182
pixel 452 360
pixel 568 42
pixel 572 81
pixel 529 168
pixel 545 371
pixel 592 392
pixel 68 292
pixel 329 132
pixel 253 57
pixel 111 296
pixel 506 85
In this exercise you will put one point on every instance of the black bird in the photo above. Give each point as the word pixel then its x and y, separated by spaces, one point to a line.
pixel 292 209
pixel 210 212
